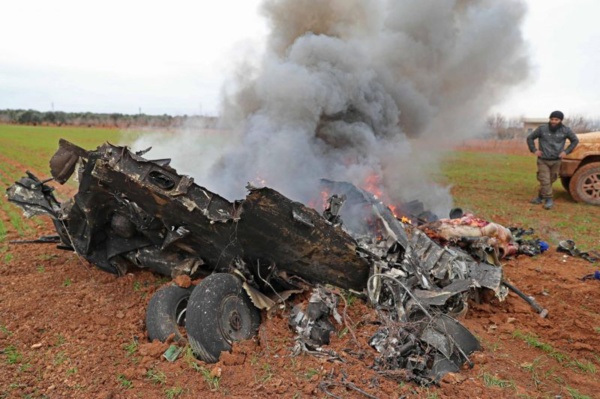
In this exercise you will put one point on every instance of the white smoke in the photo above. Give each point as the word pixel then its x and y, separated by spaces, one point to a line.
pixel 346 87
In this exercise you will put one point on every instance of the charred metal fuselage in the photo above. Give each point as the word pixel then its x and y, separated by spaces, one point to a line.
pixel 132 211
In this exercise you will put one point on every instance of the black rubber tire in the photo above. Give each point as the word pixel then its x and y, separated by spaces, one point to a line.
pixel 219 313
pixel 166 311
pixel 565 182
pixel 585 184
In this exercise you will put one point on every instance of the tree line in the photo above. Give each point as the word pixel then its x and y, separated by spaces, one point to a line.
pixel 498 126
pixel 112 120
pixel 503 128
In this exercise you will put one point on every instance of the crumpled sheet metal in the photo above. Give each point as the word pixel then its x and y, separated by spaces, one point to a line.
pixel 33 197
pixel 437 266
pixel 426 349
pixel 432 282
pixel 313 324
pixel 439 298
pixel 161 183
pixel 362 212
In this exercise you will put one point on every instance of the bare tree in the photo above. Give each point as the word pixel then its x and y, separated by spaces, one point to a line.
pixel 582 124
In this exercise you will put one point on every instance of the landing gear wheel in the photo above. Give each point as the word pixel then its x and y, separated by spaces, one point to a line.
pixel 219 313
pixel 585 184
pixel 166 312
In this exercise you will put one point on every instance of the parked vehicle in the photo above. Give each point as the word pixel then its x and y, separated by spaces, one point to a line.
pixel 580 170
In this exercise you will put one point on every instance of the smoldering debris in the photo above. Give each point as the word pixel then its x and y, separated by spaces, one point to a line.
pixel 132 212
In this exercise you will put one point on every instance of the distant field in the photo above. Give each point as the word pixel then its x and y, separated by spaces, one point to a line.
pixel 491 179
pixel 30 148
pixel 32 145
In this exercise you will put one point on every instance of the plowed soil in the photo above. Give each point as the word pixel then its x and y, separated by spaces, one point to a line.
pixel 69 330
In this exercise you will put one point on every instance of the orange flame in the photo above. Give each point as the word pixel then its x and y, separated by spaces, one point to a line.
pixel 321 202
pixel 373 185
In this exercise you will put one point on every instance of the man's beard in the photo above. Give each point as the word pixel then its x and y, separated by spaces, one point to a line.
pixel 554 128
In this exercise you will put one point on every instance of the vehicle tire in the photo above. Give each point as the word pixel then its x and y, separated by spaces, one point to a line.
pixel 565 182
pixel 166 312
pixel 219 313
pixel 585 184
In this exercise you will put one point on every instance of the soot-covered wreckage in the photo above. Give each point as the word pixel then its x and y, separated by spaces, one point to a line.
pixel 133 212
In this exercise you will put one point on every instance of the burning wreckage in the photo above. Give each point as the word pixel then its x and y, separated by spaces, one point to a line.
pixel 133 212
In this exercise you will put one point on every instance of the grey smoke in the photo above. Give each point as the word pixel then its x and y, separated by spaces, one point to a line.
pixel 348 89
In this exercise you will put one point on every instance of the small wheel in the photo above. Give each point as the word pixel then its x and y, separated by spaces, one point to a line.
pixel 585 184
pixel 565 182
pixel 166 312
pixel 219 313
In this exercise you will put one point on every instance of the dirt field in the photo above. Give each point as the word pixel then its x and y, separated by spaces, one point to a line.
pixel 68 330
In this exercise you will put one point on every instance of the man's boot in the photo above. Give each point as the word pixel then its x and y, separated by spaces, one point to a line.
pixel 536 201
pixel 549 203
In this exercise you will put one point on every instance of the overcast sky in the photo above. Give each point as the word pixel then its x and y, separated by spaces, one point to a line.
pixel 158 57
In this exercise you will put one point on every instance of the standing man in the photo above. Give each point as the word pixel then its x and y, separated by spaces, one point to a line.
pixel 551 149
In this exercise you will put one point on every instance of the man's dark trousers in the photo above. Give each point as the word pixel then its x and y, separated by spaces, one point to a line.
pixel 547 173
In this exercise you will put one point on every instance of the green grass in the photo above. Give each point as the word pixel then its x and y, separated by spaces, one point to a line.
pixel 174 392
pixel 493 381
pixel 497 187
pixel 213 381
pixel 5 330
pixel 587 366
pixel 156 376
pixel 29 144
pixel 12 354
pixel 190 359
pixel 531 340
pixel 2 232
pixel 32 147
pixel 131 348
pixel 60 340
pixel 576 395
pixel 268 372
pixel 310 373
pixel 16 219
pixel 60 358
pixel 125 383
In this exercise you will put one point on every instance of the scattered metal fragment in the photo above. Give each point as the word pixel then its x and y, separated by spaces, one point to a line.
pixel 332 211
pixel 324 385
pixel 569 247
pixel 313 324
pixel 51 239
pixel 592 276
pixel 172 353
pixel 541 311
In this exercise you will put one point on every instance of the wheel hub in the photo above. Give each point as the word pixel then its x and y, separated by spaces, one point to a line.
pixel 235 320
pixel 591 185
